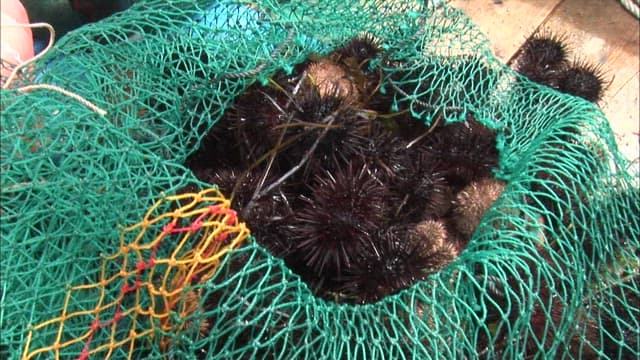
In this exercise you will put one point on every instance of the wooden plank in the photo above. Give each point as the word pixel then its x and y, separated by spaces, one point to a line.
pixel 604 33
pixel 506 23
pixel 622 112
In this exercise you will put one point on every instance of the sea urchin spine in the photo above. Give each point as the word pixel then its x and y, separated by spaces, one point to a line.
pixel 345 209
pixel 473 201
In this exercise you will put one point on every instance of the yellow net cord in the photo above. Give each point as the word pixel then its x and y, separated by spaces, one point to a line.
pixel 195 236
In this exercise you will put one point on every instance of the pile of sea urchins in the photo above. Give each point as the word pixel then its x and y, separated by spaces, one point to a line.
pixel 359 200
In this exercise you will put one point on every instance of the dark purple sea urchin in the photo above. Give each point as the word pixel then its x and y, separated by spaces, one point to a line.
pixel 584 80
pixel 345 209
pixel 346 137
pixel 421 188
pixel 541 57
pixel 467 151
pixel 359 50
pixel 398 259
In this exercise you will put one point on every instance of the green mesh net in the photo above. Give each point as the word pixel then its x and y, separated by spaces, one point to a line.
pixel 99 259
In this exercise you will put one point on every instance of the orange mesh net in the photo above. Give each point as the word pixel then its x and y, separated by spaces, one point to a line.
pixel 147 288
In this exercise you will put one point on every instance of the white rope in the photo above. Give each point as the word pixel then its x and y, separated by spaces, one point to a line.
pixel 24 64
pixel 633 6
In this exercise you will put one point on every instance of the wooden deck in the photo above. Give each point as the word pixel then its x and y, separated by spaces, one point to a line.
pixel 601 31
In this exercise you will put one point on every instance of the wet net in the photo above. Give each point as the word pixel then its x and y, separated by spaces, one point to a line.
pixel 113 248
